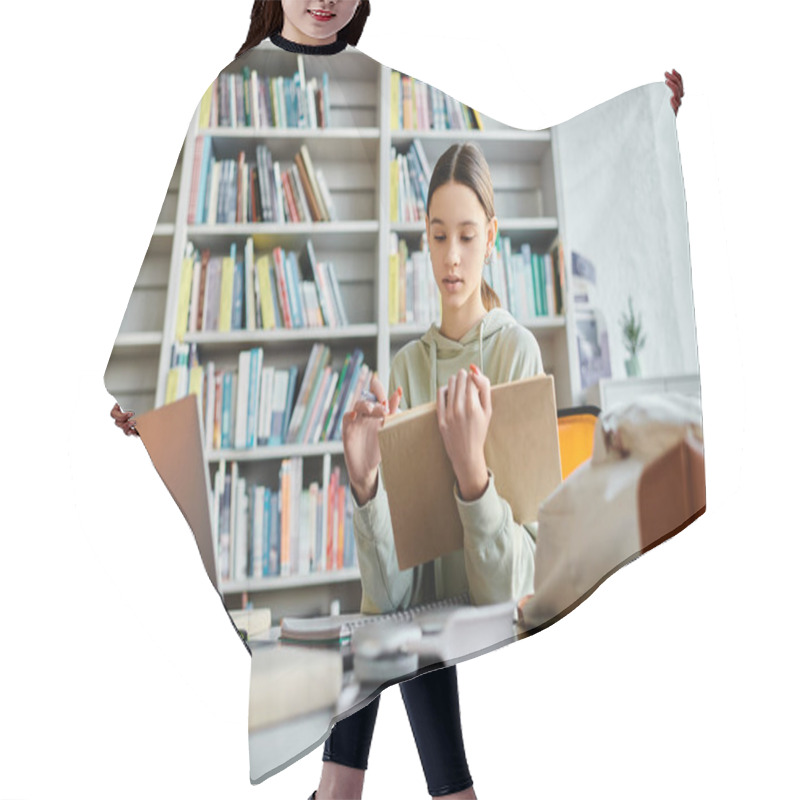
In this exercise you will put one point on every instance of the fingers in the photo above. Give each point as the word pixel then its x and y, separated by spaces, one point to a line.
pixel 124 420
pixel 674 81
pixel 376 387
pixel 394 400
pixel 484 387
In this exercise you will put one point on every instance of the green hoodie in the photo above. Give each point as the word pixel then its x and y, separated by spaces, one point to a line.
pixel 496 563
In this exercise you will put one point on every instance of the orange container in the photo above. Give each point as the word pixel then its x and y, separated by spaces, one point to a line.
pixel 576 436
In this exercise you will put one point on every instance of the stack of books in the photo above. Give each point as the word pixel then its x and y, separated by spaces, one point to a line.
pixel 232 190
pixel 284 530
pixel 417 106
pixel 281 289
pixel 248 100
pixel 409 178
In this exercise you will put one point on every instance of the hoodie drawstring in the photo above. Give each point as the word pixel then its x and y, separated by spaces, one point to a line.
pixel 480 342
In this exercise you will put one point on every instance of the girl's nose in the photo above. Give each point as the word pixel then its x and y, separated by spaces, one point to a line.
pixel 453 256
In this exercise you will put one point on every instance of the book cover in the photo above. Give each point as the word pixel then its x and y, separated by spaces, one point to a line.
pixel 521 451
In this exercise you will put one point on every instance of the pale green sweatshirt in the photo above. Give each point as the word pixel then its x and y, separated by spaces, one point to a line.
pixel 496 563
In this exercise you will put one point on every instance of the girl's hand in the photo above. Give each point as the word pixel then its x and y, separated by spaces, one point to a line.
pixel 124 420
pixel 360 439
pixel 464 409
pixel 675 82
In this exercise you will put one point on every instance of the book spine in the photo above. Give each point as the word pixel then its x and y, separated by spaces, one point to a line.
pixel 341 313
pixel 225 411
pixel 283 291
pixel 280 388
pixel 226 295
pixel 254 393
pixel 265 406
pixel 243 385
pixel 249 285
pixel 265 293
pixel 237 311
pixel 184 296
pixel 289 400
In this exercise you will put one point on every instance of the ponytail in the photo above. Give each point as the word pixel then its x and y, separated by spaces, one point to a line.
pixel 489 297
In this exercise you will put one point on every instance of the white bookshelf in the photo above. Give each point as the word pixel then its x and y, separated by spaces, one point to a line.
pixel 132 372
pixel 354 154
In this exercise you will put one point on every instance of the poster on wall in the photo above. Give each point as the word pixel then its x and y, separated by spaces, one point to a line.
pixel 592 332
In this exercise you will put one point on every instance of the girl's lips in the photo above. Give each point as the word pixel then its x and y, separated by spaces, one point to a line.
pixel 323 16
pixel 451 284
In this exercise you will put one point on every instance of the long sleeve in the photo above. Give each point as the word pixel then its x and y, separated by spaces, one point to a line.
pixel 385 587
pixel 498 552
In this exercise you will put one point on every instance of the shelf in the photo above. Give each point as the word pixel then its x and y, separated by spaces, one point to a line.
pixel 290 581
pixel 213 340
pixel 497 145
pixel 164 229
pixel 357 234
pixel 511 135
pixel 138 341
pixel 301 134
pixel 276 452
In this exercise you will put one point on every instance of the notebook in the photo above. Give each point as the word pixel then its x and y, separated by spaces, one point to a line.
pixel 172 437
pixel 521 451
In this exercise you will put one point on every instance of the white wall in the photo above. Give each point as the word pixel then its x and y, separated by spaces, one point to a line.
pixel 625 211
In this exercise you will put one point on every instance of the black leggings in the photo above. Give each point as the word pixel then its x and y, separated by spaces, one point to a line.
pixel 432 706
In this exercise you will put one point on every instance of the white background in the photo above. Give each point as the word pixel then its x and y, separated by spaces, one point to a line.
pixel 121 677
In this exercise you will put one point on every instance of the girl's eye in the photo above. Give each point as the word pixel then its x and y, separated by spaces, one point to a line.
pixel 467 238
pixel 439 237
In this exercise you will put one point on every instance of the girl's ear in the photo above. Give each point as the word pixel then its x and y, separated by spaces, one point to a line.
pixel 491 234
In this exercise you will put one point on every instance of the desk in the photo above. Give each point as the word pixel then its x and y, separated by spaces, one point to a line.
pixel 276 746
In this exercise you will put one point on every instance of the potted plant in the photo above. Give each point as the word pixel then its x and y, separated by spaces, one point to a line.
pixel 634 339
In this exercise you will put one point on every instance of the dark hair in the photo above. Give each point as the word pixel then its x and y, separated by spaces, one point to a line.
pixel 465 164
pixel 266 18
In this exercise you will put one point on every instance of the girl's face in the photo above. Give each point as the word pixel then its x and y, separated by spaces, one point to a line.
pixel 459 237
pixel 315 22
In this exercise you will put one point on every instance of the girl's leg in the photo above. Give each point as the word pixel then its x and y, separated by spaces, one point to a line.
pixel 345 755
pixel 433 711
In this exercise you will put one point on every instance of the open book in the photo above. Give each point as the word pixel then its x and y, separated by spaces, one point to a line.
pixel 521 451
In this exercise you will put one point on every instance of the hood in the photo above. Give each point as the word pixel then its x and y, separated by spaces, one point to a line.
pixel 469 348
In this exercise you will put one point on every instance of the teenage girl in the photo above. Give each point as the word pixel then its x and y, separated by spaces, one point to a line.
pixel 477 344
